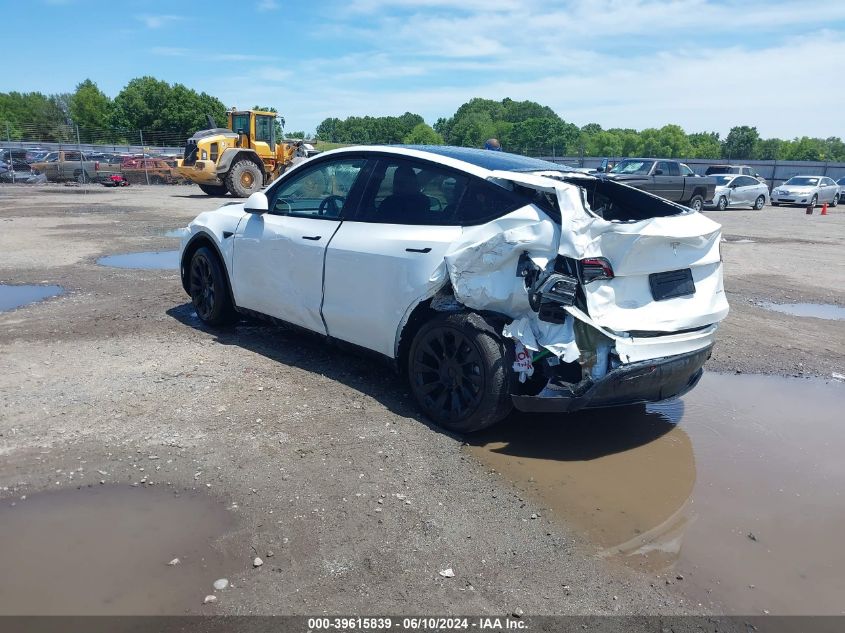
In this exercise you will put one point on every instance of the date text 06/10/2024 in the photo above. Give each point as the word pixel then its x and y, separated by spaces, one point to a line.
pixel 415 624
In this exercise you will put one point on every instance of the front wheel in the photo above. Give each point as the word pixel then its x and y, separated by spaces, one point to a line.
pixel 214 190
pixel 814 202
pixel 696 203
pixel 835 200
pixel 209 289
pixel 759 203
pixel 458 374
pixel 723 203
pixel 244 179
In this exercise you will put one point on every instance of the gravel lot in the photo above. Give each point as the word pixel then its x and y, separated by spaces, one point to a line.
pixel 319 454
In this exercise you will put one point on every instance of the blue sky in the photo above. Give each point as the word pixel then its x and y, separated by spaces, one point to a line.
pixel 704 64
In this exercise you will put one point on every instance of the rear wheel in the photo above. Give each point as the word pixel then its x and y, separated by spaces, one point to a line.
pixel 696 203
pixel 760 202
pixel 723 203
pixel 81 177
pixel 814 201
pixel 835 200
pixel 244 179
pixel 458 374
pixel 209 289
pixel 214 190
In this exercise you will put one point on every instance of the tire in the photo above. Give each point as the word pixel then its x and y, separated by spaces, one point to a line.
pixel 81 177
pixel 458 374
pixel 759 203
pixel 835 200
pixel 815 201
pixel 209 289
pixel 723 203
pixel 156 180
pixel 696 203
pixel 244 179
pixel 214 190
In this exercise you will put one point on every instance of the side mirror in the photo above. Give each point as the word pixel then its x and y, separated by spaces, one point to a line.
pixel 658 172
pixel 257 203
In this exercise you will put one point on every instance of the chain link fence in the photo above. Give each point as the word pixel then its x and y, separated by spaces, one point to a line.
pixel 31 154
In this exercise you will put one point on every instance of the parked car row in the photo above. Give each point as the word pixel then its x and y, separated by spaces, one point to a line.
pixel 22 165
pixel 722 186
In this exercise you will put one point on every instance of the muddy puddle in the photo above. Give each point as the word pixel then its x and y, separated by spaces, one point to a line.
pixel 739 488
pixel 152 260
pixel 12 296
pixel 105 550
pixel 825 311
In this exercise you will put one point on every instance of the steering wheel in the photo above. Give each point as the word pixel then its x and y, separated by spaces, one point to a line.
pixel 324 209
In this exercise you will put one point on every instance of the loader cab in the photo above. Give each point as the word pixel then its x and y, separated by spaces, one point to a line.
pixel 255 130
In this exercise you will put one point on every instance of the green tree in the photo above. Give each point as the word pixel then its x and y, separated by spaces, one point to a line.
pixel 704 145
pixel 91 110
pixel 740 143
pixel 770 149
pixel 423 134
pixel 604 143
pixel 805 148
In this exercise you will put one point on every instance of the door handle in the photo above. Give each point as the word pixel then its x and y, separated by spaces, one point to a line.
pixel 311 237
pixel 418 250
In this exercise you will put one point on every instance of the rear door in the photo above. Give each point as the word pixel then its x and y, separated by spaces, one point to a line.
pixel 278 256
pixel 381 263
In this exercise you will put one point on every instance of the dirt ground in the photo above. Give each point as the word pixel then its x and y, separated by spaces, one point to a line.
pixel 319 455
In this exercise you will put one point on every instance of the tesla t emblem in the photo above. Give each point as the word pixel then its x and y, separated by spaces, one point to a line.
pixel 675 246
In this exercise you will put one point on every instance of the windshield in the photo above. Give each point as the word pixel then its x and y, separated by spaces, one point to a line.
pixel 723 180
pixel 633 167
pixel 802 181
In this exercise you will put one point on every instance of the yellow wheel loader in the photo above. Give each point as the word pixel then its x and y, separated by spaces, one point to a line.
pixel 240 159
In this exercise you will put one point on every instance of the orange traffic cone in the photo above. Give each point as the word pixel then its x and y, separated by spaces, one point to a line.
pixel 824 209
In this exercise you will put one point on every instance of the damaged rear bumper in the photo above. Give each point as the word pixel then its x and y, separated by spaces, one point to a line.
pixel 644 381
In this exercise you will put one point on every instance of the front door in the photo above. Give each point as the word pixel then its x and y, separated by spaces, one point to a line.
pixel 278 256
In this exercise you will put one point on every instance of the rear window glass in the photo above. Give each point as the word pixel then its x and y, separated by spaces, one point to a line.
pixel 484 201
pixel 412 192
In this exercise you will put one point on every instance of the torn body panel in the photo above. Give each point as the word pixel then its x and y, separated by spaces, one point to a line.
pixel 654 293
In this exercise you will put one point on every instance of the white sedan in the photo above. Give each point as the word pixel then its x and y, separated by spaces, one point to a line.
pixel 806 191
pixel 490 280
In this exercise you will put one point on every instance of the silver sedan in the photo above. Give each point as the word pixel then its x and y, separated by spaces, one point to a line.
pixel 806 190
pixel 738 191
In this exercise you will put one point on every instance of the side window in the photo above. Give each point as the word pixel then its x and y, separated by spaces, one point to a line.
pixel 662 166
pixel 746 181
pixel 263 128
pixel 72 156
pixel 410 192
pixel 484 201
pixel 674 170
pixel 686 171
pixel 319 192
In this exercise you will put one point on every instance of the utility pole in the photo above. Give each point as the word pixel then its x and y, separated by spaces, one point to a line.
pixel 11 161
pixel 143 156
pixel 81 164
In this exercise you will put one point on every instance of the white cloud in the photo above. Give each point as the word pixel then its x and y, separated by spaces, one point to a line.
pixel 267 5
pixel 157 21
pixel 704 64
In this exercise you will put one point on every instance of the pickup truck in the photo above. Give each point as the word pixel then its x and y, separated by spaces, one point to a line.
pixel 668 179
pixel 71 165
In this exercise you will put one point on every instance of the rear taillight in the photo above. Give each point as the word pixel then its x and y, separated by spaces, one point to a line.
pixel 594 268
pixel 96 165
